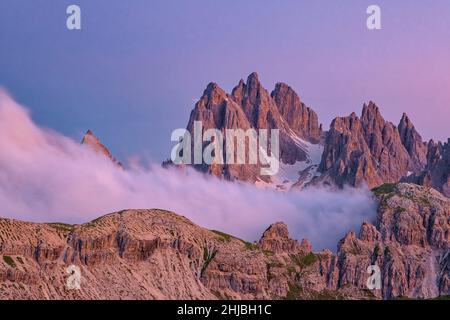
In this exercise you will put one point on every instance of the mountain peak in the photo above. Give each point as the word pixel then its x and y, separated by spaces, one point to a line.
pixel 253 77
pixel 238 92
pixel 405 121
pixel 211 88
pixel 413 143
pixel 404 117
pixel 371 113
pixel 277 230
pixel 91 141
pixel 253 85
pixel 276 239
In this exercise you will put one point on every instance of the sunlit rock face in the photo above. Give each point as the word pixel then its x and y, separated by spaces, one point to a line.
pixel 155 254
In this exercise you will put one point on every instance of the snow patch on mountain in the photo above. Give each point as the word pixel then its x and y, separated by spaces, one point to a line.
pixel 299 173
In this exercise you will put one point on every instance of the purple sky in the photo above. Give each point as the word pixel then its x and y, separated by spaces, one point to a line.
pixel 133 70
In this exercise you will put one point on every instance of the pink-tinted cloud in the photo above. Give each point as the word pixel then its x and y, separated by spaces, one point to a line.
pixel 46 177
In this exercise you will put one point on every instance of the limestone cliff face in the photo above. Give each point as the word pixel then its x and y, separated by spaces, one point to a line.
pixel 276 239
pixel 347 158
pixel 250 106
pixel 357 150
pixel 155 254
pixel 366 150
pixel 410 242
pixel 301 119
pixel 436 173
pixel 385 144
pixel 413 143
pixel 369 150
pixel 217 110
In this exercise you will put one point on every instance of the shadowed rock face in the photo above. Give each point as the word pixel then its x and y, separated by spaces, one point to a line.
pixel 155 254
pixel 437 171
pixel 365 150
pixel 300 118
pixel 413 143
pixel 410 242
pixel 347 158
pixel 276 239
pixel 372 151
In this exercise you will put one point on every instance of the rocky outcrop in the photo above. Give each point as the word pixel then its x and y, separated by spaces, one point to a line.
pixel 366 150
pixel 91 141
pixel 369 150
pixel 217 110
pixel 276 239
pixel 260 109
pixel 437 171
pixel 413 143
pixel 382 137
pixel 155 254
pixel 301 119
pixel 134 254
pixel 409 242
pixel 347 158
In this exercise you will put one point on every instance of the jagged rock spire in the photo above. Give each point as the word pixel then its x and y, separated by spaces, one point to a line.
pixel 93 142
pixel 276 239
pixel 300 118
pixel 413 143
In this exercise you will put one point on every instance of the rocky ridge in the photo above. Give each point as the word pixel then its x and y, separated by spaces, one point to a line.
pixel 436 173
pixel 366 150
pixel 355 151
pixel 155 254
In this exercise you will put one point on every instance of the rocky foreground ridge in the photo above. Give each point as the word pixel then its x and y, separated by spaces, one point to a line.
pixel 155 254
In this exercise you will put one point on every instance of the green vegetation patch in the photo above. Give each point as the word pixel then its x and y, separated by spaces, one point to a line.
pixel 297 293
pixel 208 256
pixel 399 209
pixel 251 246
pixel 387 252
pixel 442 298
pixel 376 251
pixel 384 189
pixel 425 201
pixel 62 226
pixel 9 261
pixel 306 260
pixel 294 293
pixel 225 237
pixel 274 264
pixel 291 270
pixel 268 253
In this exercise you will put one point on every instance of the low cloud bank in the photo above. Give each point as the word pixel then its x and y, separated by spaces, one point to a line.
pixel 47 177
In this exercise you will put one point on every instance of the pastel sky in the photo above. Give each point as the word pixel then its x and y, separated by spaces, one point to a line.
pixel 131 74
